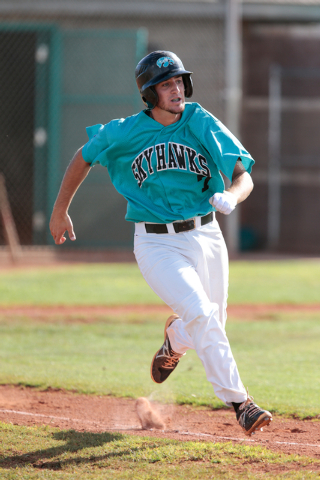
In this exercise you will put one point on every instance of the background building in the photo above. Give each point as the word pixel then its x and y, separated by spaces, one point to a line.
pixel 68 64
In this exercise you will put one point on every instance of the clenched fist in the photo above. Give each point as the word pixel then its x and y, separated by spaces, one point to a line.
pixel 224 202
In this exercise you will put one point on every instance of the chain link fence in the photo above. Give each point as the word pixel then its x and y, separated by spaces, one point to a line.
pixel 17 68
pixel 61 73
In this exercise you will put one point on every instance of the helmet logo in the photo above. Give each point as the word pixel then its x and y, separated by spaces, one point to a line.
pixel 165 62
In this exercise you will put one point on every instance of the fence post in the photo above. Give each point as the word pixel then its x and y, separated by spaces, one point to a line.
pixel 233 100
pixel 10 231
pixel 274 181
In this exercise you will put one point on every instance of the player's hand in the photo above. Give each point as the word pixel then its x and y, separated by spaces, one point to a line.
pixel 59 224
pixel 224 202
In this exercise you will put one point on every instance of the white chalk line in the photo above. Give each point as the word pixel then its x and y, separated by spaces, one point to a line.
pixel 54 417
pixel 129 427
pixel 248 439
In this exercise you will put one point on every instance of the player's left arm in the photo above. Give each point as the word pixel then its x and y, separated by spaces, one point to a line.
pixel 242 184
pixel 239 190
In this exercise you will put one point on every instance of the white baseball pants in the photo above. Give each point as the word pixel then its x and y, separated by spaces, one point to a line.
pixel 189 272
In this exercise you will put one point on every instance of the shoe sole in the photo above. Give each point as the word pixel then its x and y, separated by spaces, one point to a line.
pixel 263 420
pixel 170 320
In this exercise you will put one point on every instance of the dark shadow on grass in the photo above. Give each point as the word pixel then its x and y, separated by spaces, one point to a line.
pixel 75 441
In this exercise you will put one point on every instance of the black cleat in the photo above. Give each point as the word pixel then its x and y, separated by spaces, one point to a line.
pixel 251 417
pixel 165 360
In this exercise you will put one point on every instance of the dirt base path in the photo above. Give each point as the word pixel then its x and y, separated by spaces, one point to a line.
pixel 90 313
pixel 66 410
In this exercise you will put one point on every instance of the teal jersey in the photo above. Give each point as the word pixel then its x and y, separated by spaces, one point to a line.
pixel 166 173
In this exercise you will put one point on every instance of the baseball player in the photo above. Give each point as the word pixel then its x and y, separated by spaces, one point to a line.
pixel 167 162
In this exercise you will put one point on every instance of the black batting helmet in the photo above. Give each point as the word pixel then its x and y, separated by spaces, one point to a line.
pixel 158 67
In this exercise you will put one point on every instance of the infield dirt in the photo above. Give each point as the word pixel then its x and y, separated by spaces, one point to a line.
pixel 67 410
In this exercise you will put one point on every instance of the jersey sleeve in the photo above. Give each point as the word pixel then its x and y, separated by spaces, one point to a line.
pixel 224 148
pixel 96 145
pixel 230 150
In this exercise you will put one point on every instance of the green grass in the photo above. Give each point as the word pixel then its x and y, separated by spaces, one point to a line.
pixel 277 359
pixel 48 453
pixel 296 281
pixel 292 282
pixel 92 284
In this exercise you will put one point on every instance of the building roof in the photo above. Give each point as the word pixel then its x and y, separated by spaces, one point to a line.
pixel 299 10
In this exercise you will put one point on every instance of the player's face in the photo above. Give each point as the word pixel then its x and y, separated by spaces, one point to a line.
pixel 171 95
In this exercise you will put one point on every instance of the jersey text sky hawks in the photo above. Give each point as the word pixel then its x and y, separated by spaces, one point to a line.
pixel 172 156
pixel 166 173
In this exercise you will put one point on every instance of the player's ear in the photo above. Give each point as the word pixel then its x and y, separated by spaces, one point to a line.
pixel 150 97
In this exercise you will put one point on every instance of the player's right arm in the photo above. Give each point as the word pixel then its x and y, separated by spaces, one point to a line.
pixel 60 221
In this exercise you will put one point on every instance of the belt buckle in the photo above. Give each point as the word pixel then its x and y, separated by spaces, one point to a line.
pixel 193 220
pixel 184 225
